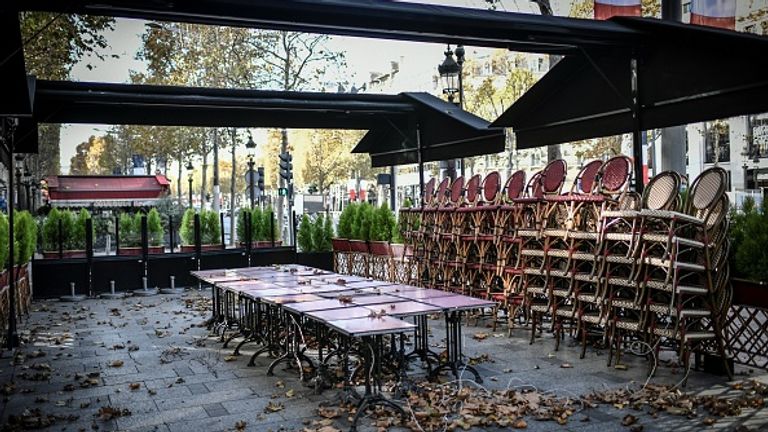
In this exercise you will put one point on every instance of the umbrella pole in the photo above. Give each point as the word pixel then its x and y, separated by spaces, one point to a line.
pixel 637 141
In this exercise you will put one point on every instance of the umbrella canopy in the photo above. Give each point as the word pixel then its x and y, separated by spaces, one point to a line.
pixel 440 131
pixel 685 74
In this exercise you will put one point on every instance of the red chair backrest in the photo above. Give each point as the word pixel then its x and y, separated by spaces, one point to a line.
pixel 615 174
pixel 457 190
pixel 491 185
pixel 515 185
pixel 473 189
pixel 587 178
pixel 429 191
pixel 553 176
pixel 534 188
pixel 442 191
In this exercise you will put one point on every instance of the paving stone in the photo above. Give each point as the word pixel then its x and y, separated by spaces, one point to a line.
pixel 197 389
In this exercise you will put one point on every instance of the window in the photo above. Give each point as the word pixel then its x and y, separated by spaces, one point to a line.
pixel 760 136
pixel 687 8
pixel 717 142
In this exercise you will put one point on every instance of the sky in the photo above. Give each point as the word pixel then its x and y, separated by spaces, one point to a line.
pixel 418 62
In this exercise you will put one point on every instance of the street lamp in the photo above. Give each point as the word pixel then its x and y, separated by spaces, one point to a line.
pixel 27 184
pixel 251 146
pixel 449 72
pixel 190 168
pixel 18 189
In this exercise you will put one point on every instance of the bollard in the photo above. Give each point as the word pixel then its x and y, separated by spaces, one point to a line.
pixel 144 291
pixel 172 289
pixel 112 294
pixel 73 296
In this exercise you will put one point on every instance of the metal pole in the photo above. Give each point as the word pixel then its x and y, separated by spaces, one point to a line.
pixel 12 338
pixel 392 189
pixel 460 61
pixel 421 165
pixel 190 191
pixel 251 185
pixel 637 139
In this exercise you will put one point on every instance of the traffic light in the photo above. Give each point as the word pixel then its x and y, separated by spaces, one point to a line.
pixel 286 166
pixel 260 179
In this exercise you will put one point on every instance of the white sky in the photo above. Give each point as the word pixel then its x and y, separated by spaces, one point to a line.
pixel 418 62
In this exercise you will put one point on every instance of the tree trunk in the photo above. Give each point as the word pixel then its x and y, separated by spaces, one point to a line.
pixel 233 176
pixel 215 205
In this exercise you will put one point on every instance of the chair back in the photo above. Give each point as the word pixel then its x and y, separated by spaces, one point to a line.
pixel 662 191
pixel 586 180
pixel 553 177
pixel 515 186
pixel 429 192
pixel 491 185
pixel 457 191
pixel 534 188
pixel 705 191
pixel 442 192
pixel 615 174
pixel 473 189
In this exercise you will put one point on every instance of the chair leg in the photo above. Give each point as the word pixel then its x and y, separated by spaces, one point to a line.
pixel 583 341
pixel 533 326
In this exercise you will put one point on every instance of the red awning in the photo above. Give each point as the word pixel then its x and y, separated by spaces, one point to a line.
pixel 101 188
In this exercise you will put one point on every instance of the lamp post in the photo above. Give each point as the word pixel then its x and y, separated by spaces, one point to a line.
pixel 190 168
pixel 251 146
pixel 19 205
pixel 450 71
pixel 27 184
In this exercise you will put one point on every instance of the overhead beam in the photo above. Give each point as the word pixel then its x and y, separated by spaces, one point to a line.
pixel 367 18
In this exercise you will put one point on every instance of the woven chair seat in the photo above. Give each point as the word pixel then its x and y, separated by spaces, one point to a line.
pixel 628 325
pixel 536 290
pixel 622 282
pixel 619 236
pixel 592 318
pixel 555 232
pixel 687 289
pixel 527 232
pixel 566 311
pixel 663 238
pixel 658 285
pixel 583 235
pixel 559 273
pixel 668 214
pixel 626 304
pixel 675 334
pixel 558 253
pixel 584 256
pixel 564 293
pixel 619 214
pixel 533 252
pixel 589 298
pixel 667 263
pixel 540 308
pixel 586 277
pixel 575 198
pixel 620 259
pixel 534 271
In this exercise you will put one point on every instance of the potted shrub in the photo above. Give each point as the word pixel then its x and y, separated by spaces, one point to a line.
pixel 341 243
pixel 749 257
pixel 304 235
pixel 210 231
pixel 256 218
pixel 25 237
pixel 314 241
pixel 69 244
pixel 130 233
pixel 361 228
pixel 383 223
pixel 268 229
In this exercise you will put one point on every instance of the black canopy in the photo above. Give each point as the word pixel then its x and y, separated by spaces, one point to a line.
pixel 440 130
pixel 88 102
pixel 366 18
pixel 686 73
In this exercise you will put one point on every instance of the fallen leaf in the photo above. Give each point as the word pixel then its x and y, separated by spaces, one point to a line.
pixel 240 425
pixel 230 358
pixel 480 336
pixel 116 363
pixel 519 424
pixel 289 393
pixel 628 420
pixel 274 407
pixel 566 366
pixel 134 386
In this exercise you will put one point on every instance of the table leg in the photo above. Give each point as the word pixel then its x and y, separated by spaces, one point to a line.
pixel 455 362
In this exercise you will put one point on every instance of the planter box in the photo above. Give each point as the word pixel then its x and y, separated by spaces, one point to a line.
pixel 262 244
pixel 321 260
pixel 136 251
pixel 203 248
pixel 65 254
pixel 340 245
pixel 750 293
pixel 380 248
pixel 360 246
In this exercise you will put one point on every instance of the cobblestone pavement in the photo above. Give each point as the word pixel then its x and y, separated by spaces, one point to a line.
pixel 148 364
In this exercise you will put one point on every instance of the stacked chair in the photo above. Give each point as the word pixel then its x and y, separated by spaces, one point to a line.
pixel 596 259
